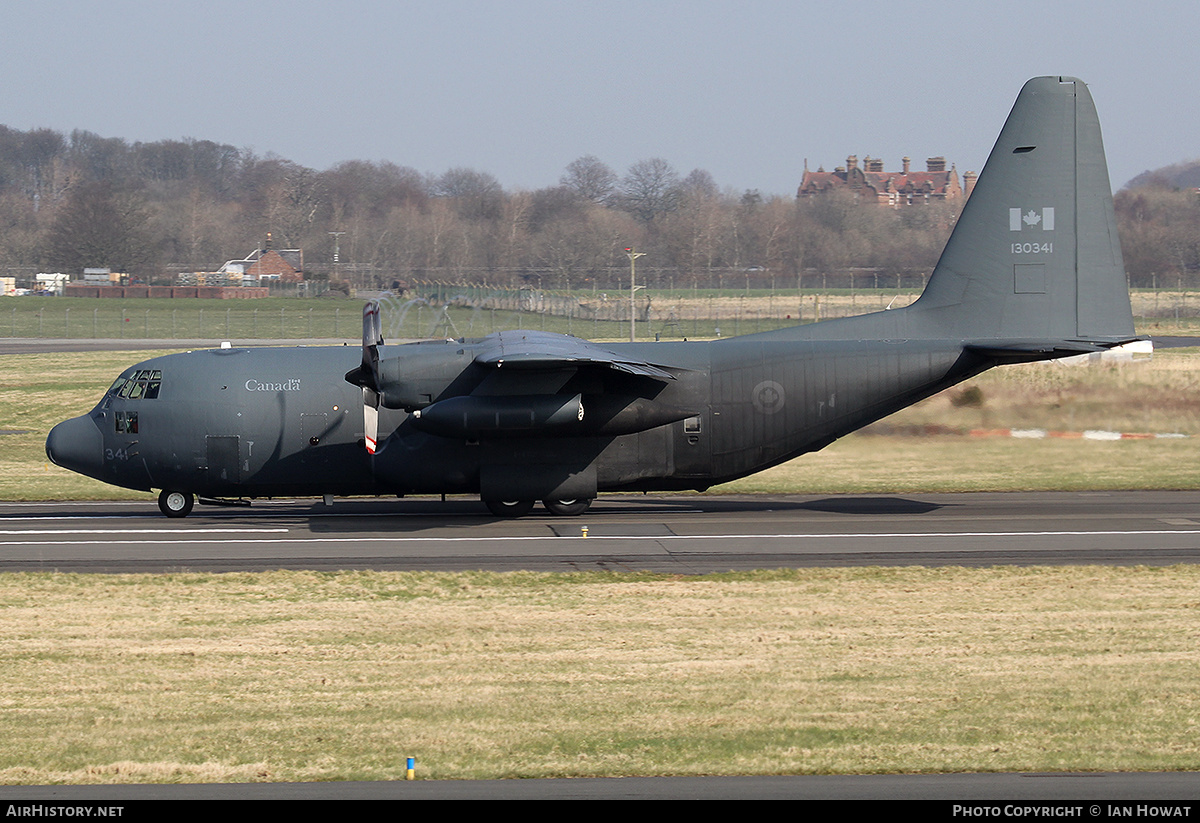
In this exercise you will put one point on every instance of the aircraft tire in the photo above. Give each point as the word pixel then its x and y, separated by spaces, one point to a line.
pixel 509 508
pixel 176 503
pixel 567 508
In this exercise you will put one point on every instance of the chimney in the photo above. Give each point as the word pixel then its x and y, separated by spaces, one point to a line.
pixel 935 164
pixel 906 161
pixel 969 183
pixel 852 162
pixel 267 247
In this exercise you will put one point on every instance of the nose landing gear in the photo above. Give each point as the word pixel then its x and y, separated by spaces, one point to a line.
pixel 176 503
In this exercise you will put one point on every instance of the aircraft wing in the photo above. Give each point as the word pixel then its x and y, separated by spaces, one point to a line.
pixel 535 350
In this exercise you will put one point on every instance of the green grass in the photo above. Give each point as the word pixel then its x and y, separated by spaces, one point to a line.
pixel 324 318
pixel 469 311
pixel 297 676
pixel 79 317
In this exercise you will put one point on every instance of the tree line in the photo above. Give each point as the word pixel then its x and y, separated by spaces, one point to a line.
pixel 155 209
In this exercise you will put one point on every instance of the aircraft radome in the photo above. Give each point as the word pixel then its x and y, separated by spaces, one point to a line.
pixel 1033 271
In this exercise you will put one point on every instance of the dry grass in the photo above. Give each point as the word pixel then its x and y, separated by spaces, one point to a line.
pixel 905 465
pixel 1154 395
pixel 304 676
pixel 36 392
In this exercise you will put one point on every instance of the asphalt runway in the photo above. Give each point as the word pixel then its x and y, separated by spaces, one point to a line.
pixel 661 533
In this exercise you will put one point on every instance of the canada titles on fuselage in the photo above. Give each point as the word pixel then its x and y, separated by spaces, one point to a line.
pixel 286 385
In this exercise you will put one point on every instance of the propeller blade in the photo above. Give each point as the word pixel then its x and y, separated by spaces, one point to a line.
pixel 372 340
pixel 370 419
pixel 367 375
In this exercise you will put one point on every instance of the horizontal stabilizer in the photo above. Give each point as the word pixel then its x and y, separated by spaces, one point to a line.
pixel 1021 351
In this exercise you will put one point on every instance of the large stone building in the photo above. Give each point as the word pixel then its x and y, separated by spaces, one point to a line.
pixel 889 188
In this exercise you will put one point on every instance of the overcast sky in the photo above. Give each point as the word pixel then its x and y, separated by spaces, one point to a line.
pixel 519 88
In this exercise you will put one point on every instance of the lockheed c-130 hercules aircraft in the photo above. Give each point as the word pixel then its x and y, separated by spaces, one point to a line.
pixel 1032 271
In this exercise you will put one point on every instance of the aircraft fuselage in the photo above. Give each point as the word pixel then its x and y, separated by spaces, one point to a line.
pixel 264 422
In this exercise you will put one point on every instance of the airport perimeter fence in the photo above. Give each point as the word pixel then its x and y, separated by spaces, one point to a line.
pixel 436 309
pixel 431 309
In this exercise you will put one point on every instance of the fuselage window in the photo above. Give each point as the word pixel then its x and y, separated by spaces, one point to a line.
pixel 127 422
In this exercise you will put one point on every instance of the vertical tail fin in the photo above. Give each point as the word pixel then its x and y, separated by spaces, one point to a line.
pixel 1035 254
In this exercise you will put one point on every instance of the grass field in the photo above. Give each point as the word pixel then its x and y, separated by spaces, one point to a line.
pixel 297 676
pixel 449 311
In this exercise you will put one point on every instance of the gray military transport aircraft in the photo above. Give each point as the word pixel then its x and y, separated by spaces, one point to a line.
pixel 1033 271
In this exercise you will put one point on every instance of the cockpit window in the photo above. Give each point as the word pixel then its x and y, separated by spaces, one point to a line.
pixel 143 383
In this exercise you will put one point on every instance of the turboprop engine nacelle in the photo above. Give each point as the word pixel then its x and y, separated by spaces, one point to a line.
pixel 471 416
pixel 564 415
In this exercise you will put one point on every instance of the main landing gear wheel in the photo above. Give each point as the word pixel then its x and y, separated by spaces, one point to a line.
pixel 175 504
pixel 509 508
pixel 566 508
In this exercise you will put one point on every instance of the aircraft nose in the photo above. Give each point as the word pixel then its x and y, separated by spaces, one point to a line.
pixel 76 444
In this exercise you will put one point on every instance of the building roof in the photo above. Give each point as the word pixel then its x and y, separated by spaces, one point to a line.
pixel 293 257
pixel 894 188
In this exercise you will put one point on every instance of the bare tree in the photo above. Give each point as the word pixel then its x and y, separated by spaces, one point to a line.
pixel 590 179
pixel 476 195
pixel 97 225
pixel 650 188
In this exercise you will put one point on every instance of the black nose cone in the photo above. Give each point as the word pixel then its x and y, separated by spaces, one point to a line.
pixel 76 444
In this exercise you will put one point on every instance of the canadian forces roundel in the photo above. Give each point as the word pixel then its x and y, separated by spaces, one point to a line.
pixel 768 397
